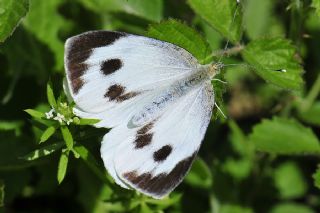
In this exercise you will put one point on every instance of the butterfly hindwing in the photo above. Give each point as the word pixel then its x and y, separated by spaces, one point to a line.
pixel 155 157
pixel 107 72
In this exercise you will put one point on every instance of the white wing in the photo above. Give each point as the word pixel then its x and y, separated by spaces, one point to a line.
pixel 111 74
pixel 154 158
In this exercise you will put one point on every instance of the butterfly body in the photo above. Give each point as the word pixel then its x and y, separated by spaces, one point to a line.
pixel 154 95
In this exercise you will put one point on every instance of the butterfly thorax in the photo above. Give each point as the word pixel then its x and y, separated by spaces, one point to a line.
pixel 214 69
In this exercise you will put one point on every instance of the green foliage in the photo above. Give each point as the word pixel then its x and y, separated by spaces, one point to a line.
pixel 44 151
pixel 62 167
pixel 262 158
pixel 178 33
pixel 151 10
pixel 316 178
pixel 11 13
pixel 220 15
pixel 292 208
pixel 269 55
pixel 316 4
pixel 288 137
pixel 47 29
pixel 200 175
pixel 288 175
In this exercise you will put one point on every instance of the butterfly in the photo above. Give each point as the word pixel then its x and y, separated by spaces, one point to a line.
pixel 156 98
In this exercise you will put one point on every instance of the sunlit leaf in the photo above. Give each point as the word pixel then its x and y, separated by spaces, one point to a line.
pixel 50 96
pixel 34 113
pixel 62 166
pixel 268 56
pixel 292 208
pixel 151 10
pixel 47 134
pixel 286 175
pixel 67 137
pixel 316 178
pixel 42 152
pixel 11 13
pixel 86 121
pixel 175 32
pixel 221 15
pixel 316 4
pixel 284 136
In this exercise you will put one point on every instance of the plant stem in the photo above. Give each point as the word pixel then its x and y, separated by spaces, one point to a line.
pixel 312 95
pixel 227 52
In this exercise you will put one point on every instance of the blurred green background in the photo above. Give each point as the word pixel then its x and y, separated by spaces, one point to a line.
pixel 262 158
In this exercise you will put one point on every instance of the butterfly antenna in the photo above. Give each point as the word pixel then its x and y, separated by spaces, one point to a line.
pixel 228 41
pixel 215 103
pixel 250 66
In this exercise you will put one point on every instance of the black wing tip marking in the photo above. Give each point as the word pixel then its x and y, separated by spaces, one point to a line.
pixel 162 184
pixel 79 48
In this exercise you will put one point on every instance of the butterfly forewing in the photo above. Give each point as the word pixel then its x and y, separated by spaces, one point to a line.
pixel 108 71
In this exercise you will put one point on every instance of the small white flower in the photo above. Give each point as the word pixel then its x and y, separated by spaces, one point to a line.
pixel 60 118
pixel 64 105
pixel 49 114
pixel 69 121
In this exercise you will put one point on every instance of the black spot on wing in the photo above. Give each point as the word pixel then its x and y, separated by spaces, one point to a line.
pixel 79 50
pixel 117 93
pixel 163 183
pixel 162 153
pixel 114 92
pixel 110 66
pixel 143 140
pixel 145 128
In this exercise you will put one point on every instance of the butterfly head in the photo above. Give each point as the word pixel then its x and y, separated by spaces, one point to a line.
pixel 214 69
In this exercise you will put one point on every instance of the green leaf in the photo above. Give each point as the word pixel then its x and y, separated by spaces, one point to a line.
pixel 233 208
pixel 284 136
pixel 62 167
pixel 87 121
pixel 1 193
pixel 47 134
pixel 50 96
pixel 44 151
pixel 262 13
pixel 11 13
pixel 316 178
pixel 268 55
pixel 151 10
pixel 34 113
pixel 47 28
pixel 286 175
pixel 91 162
pixel 180 34
pixel 316 4
pixel 11 125
pixel 199 175
pixel 67 137
pixel 292 208
pixel 312 115
pixel 220 15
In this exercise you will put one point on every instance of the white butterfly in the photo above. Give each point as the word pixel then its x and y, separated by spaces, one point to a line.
pixel 154 95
